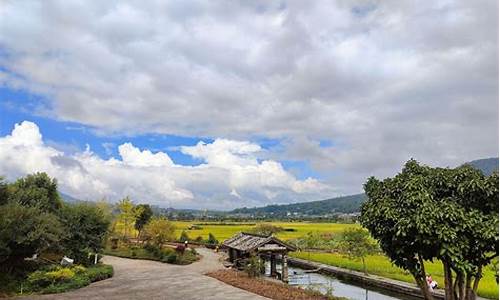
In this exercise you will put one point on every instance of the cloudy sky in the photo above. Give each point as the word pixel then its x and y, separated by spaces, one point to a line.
pixel 221 104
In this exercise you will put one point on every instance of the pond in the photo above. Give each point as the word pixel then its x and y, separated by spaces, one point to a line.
pixel 339 288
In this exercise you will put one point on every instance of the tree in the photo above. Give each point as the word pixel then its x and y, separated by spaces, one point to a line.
pixel 159 230
pixel 143 215
pixel 266 229
pixel 25 231
pixel 36 190
pixel 425 213
pixel 127 216
pixel 86 226
pixel 184 237
pixel 357 244
pixel 212 240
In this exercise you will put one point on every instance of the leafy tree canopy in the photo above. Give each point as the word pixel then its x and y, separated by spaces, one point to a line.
pixel 426 213
pixel 37 190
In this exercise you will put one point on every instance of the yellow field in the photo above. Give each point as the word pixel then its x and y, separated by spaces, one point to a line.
pixel 222 232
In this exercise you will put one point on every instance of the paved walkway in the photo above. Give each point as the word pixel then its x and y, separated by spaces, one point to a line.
pixel 143 279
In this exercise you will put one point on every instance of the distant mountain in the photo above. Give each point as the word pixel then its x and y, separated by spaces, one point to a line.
pixel 487 165
pixel 68 198
pixel 345 204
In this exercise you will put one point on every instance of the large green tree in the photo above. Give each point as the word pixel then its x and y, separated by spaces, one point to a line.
pixel 424 214
pixel 25 231
pixel 143 215
pixel 86 226
pixel 36 190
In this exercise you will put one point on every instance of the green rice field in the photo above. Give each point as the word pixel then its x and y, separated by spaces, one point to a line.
pixel 381 265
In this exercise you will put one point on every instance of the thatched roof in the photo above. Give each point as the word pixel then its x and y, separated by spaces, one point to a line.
pixel 246 242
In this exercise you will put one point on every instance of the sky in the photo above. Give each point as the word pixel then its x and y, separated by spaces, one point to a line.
pixel 224 104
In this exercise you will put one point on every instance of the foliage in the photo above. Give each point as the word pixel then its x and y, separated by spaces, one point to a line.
pixel 266 229
pixel 60 279
pixel 25 231
pixel 212 240
pixel 356 244
pixel 184 237
pixel 86 226
pixel 127 215
pixel 253 266
pixel 36 190
pixel 143 215
pixel 159 230
pixel 428 213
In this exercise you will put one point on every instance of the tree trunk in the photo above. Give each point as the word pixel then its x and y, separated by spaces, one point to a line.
pixel 448 282
pixel 472 293
pixel 461 286
pixel 468 289
pixel 422 281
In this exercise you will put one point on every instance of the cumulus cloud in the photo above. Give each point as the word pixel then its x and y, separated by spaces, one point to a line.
pixel 229 176
pixel 384 80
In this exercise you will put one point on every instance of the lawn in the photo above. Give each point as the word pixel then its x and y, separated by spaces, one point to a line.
pixel 381 265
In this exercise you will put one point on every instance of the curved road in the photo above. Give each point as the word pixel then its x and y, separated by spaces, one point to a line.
pixel 143 279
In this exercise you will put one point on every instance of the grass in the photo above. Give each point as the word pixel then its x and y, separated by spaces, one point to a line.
pixel 380 265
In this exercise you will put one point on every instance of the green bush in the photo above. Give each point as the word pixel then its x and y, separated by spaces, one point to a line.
pixel 99 272
pixel 171 258
pixel 253 266
pixel 56 279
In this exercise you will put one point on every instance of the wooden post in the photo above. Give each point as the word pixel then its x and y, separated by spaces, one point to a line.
pixel 284 268
pixel 273 265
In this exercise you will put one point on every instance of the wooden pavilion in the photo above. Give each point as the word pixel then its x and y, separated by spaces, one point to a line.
pixel 244 245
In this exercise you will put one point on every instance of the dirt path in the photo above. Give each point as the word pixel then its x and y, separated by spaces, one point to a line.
pixel 142 279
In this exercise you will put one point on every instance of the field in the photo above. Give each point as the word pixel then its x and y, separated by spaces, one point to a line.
pixel 380 265
pixel 222 232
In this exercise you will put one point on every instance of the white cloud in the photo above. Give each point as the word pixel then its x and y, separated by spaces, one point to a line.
pixel 385 80
pixel 230 176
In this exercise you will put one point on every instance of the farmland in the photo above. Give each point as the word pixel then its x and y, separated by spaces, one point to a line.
pixel 381 265
pixel 376 264
pixel 226 230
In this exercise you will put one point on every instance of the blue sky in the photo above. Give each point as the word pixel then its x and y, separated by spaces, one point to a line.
pixel 294 102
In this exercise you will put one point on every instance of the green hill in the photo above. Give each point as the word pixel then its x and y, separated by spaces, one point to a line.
pixel 345 204
pixel 487 165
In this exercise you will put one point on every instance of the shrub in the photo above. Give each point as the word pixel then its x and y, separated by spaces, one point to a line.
pixel 212 240
pixel 171 258
pixel 78 269
pixel 266 229
pixel 253 266
pixel 63 274
pixel 184 237
pixel 86 226
pixel 99 272
pixel 154 250
pixel 159 230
